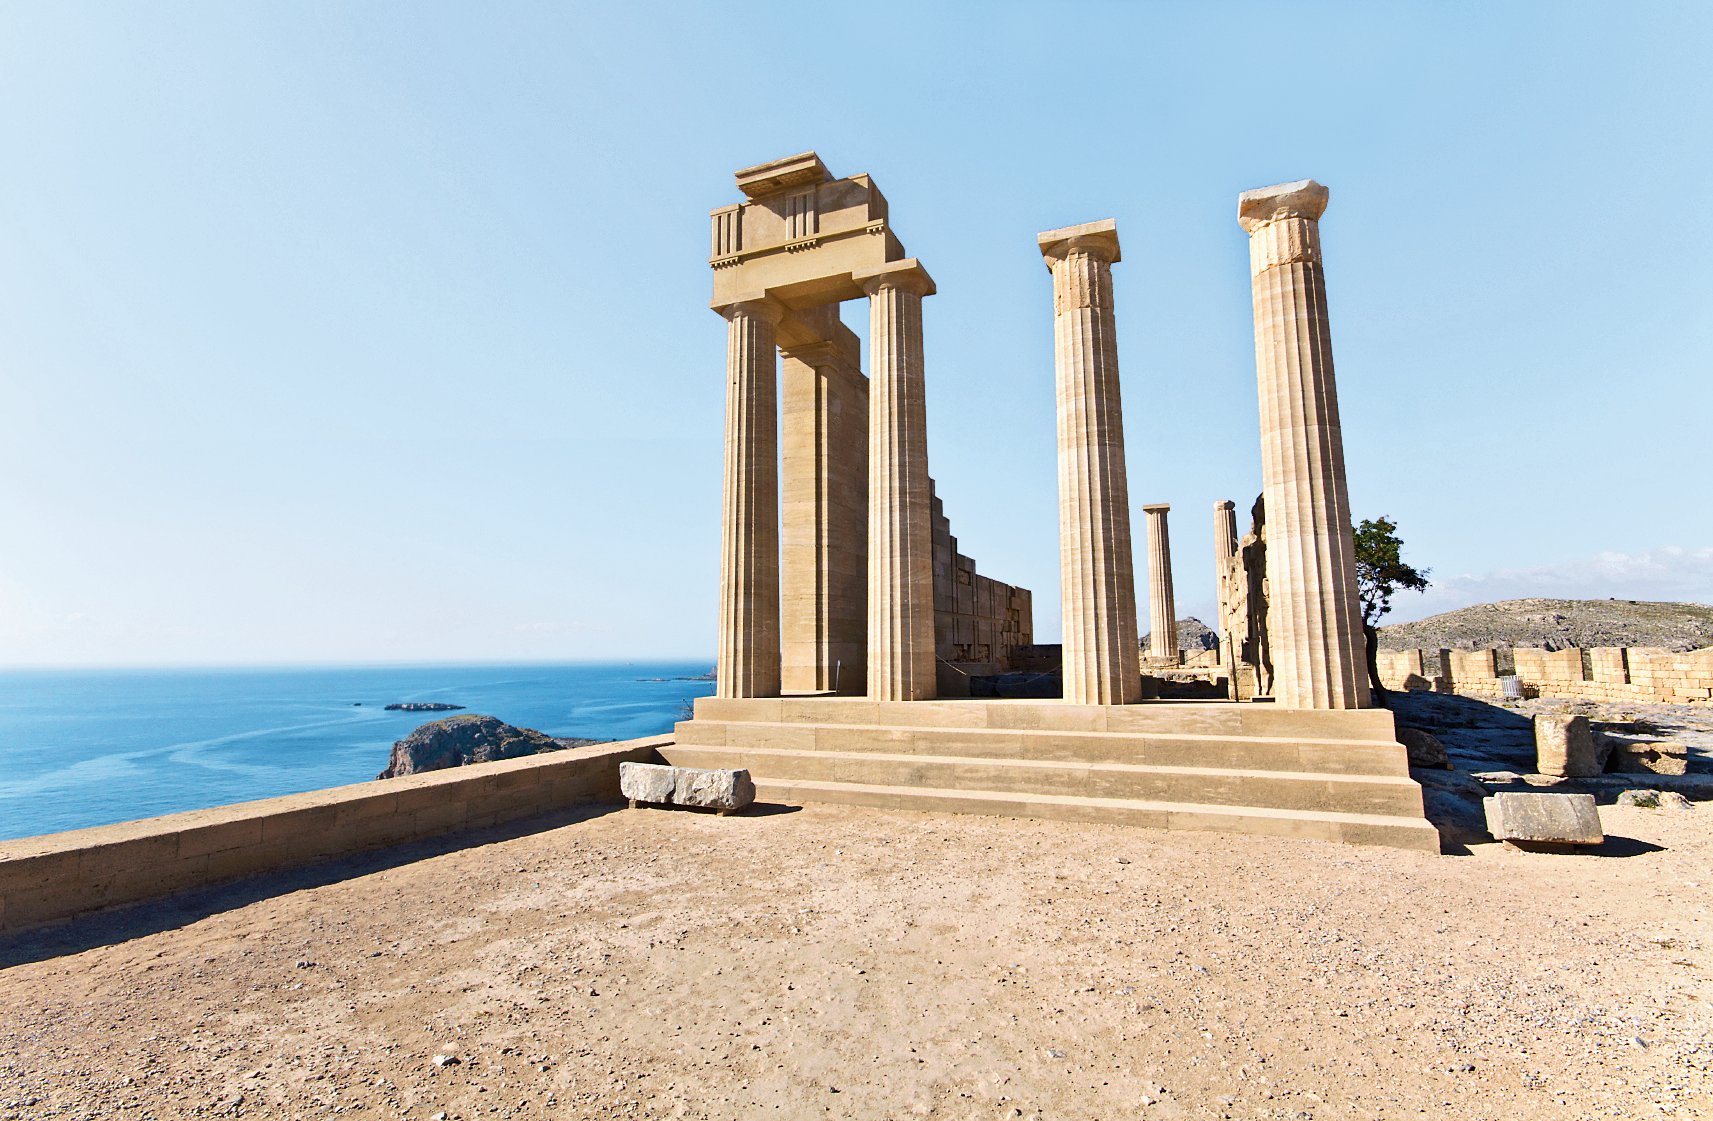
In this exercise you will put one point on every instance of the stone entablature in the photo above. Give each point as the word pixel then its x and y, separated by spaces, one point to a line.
pixel 1614 673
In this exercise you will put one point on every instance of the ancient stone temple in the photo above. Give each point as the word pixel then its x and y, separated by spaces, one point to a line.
pixel 850 625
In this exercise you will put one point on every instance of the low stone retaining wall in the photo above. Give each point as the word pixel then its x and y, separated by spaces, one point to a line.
pixel 60 875
pixel 1618 673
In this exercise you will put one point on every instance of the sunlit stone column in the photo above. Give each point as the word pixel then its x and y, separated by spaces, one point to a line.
pixel 1097 578
pixel 1315 629
pixel 748 664
pixel 823 498
pixel 1162 611
pixel 900 541
pixel 1224 551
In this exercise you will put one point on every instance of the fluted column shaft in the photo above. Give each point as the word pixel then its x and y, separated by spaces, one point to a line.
pixel 900 545
pixel 748 664
pixel 1162 610
pixel 1097 574
pixel 1224 549
pixel 1314 623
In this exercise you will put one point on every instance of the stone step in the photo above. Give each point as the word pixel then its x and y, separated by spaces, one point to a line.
pixel 1209 718
pixel 1262 788
pixel 1168 749
pixel 1351 828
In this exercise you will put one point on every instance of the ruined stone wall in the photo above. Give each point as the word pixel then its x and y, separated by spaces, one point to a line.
pixel 1635 674
pixel 977 620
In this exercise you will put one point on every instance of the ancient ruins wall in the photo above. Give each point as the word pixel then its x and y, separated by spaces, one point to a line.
pixel 60 875
pixel 976 619
pixel 1636 674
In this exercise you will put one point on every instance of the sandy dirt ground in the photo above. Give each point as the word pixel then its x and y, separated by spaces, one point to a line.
pixel 835 962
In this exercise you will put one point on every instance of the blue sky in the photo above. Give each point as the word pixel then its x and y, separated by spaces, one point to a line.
pixel 378 332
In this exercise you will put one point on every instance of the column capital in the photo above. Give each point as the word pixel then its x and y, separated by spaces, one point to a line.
pixel 1097 239
pixel 760 307
pixel 907 274
pixel 1265 205
pixel 1156 508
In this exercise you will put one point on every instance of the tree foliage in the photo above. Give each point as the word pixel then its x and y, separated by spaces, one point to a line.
pixel 1380 568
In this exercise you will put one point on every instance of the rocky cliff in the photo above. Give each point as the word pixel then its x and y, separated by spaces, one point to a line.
pixel 458 740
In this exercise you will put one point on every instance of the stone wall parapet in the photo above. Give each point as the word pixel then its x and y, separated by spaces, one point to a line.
pixel 61 875
pixel 1640 675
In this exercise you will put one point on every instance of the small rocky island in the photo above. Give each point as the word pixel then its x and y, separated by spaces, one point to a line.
pixel 458 740
pixel 423 706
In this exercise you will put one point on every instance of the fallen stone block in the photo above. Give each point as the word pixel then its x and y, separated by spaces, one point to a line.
pixel 1660 757
pixel 715 789
pixel 721 790
pixel 1564 746
pixel 647 782
pixel 1556 819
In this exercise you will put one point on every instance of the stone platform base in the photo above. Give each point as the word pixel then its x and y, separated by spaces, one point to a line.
pixel 1337 776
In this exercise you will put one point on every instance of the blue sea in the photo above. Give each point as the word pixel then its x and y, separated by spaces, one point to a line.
pixel 80 748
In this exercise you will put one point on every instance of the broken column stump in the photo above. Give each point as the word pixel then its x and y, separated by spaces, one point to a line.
pixel 1564 746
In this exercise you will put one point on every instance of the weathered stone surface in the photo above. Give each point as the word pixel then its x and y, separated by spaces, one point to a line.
pixel 1660 757
pixel 458 740
pixel 1314 624
pixel 1097 579
pixel 1564 746
pixel 713 789
pixel 1560 819
pixel 1425 750
pixel 1672 800
pixel 716 789
pixel 1641 799
pixel 647 782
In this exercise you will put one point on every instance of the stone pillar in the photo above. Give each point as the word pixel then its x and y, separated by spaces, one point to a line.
pixel 1315 626
pixel 824 511
pixel 1224 572
pixel 900 535
pixel 748 663
pixel 1162 611
pixel 1097 577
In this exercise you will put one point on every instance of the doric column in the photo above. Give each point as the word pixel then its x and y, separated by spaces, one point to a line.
pixel 1315 627
pixel 823 579
pixel 1097 577
pixel 1224 554
pixel 1162 611
pixel 900 541
pixel 749 527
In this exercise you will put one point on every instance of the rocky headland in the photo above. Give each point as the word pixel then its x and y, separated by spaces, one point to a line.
pixel 458 740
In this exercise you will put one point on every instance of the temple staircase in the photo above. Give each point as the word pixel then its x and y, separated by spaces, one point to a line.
pixel 1247 768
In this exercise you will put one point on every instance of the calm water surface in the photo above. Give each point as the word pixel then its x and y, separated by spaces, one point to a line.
pixel 81 748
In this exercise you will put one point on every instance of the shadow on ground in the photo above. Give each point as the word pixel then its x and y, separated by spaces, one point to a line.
pixel 135 920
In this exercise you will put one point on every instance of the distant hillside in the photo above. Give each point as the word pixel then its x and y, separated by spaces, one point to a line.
pixel 1557 623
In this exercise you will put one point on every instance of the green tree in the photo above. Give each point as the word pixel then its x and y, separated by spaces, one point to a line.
pixel 1380 574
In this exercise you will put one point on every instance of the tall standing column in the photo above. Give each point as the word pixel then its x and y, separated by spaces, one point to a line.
pixel 823 494
pixel 900 537
pixel 1224 554
pixel 1315 627
pixel 1097 577
pixel 748 663
pixel 1162 611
